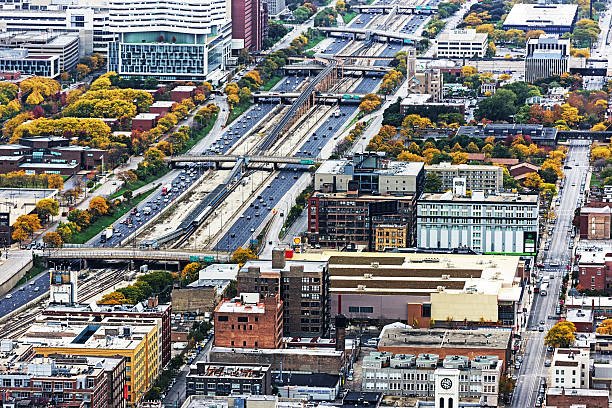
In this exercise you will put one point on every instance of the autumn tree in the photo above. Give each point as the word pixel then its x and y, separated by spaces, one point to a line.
pixel 190 271
pixel 241 255
pixel 99 206
pixel 561 335
pixel 113 298
pixel 53 240
pixel 533 181
pixel 24 226
pixel 370 103
pixel 605 327
pixel 47 207
pixel 55 181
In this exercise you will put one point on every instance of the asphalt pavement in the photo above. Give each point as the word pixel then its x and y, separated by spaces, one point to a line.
pixel 25 293
pixel 557 260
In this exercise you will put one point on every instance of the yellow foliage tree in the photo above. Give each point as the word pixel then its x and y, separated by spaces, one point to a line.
pixel 241 255
pixel 113 298
pixel 98 205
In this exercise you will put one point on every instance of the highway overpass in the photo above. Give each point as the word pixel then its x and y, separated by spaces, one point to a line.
pixel 227 158
pixel 401 8
pixel 341 68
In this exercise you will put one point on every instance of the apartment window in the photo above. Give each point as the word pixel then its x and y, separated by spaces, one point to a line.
pixel 243 319
pixel 6 382
pixel 223 318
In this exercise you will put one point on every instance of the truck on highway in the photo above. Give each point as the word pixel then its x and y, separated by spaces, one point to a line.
pixel 106 234
pixel 166 189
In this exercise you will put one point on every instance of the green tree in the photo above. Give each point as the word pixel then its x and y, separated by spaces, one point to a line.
pixel 498 107
pixel 433 183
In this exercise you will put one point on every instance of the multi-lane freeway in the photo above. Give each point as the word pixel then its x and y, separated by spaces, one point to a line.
pixel 556 262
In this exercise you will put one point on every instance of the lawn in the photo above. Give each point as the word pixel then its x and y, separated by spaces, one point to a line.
pixel 271 82
pixel 38 267
pixel 314 41
pixel 349 16
pixel 103 222
pixel 237 111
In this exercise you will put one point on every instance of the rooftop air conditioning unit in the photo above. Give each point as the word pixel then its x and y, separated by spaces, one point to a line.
pixel 440 288
pixel 361 287
pixel 374 264
pixel 445 277
pixel 367 276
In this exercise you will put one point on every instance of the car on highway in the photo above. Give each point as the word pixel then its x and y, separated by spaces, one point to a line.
pixel 541 329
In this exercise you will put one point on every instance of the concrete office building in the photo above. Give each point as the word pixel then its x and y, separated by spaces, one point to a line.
pixel 409 374
pixel 505 223
pixel 248 25
pixel 88 19
pixel 465 43
pixel 170 40
pixel 21 61
pixel 421 288
pixel 546 56
pixel 221 379
pixel 477 177
pixel 275 7
pixel 302 286
pixel 370 173
pixel 551 18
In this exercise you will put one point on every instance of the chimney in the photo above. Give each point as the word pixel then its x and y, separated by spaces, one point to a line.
pixel 340 323
pixel 278 258
pixel 152 302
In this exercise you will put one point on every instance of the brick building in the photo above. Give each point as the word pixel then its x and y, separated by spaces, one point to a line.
pixel 337 220
pixel 469 343
pixel 225 379
pixel 182 92
pixel 302 286
pixel 595 222
pixel 249 322
pixel 594 264
pixel 161 107
pixel 571 398
pixel 145 121
pixel 248 24
pixel 141 313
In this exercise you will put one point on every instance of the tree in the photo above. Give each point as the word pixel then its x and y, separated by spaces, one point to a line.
pixel 55 181
pixel 498 107
pixel 24 226
pixel 190 271
pixel 127 195
pixel 47 207
pixel 82 70
pixel 472 148
pixel 533 181
pixel 53 240
pixel 370 103
pixel 605 327
pixel 99 206
pixel 241 255
pixel 113 298
pixel 433 183
pixel 468 70
pixel 561 335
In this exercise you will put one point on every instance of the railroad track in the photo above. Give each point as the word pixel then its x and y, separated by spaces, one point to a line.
pixel 20 323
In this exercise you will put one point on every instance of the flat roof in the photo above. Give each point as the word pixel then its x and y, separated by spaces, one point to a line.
pixel 266 265
pixel 235 306
pixel 491 198
pixel 578 392
pixel 365 197
pixel 184 88
pixel 443 338
pixel 420 273
pixel 307 351
pixel 579 315
pixel 205 369
pixel 162 104
pixel 463 167
pixel 146 116
pixel 576 302
pixel 462 35
pixel 307 380
pixel 141 307
pixel 593 252
pixel 541 15
pixel 11 158
pixel 345 166
pixel 49 165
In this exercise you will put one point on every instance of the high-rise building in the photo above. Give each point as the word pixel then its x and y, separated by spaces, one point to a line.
pixel 169 39
pixel 275 7
pixel 546 56
pixel 88 18
pixel 248 24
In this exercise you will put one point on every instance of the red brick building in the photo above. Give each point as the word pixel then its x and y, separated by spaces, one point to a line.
pixel 144 121
pixel 595 221
pixel 248 23
pixel 248 322
pixel 568 398
pixel 594 269
pixel 182 92
pixel 161 107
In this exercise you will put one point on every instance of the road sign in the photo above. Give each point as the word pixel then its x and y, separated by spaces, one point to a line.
pixel 297 240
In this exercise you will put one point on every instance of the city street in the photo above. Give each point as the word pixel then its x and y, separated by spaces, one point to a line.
pixel 556 261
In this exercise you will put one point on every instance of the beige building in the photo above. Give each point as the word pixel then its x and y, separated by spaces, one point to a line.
pixel 461 44
pixel 570 368
pixel 430 81
pixel 390 236
pixel 478 177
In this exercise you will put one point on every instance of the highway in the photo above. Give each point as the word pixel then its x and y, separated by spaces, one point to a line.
pixel 23 294
pixel 532 369
pixel 251 220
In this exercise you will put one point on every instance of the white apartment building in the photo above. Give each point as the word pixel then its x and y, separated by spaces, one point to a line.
pixel 88 18
pixel 461 44
pixel 170 39
pixel 570 369
pixel 489 179
pixel 408 374
pixel 493 224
